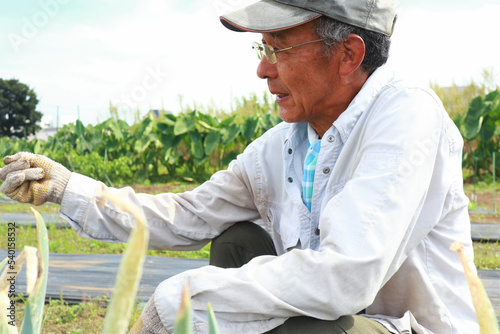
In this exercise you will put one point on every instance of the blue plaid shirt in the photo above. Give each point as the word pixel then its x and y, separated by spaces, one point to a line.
pixel 309 170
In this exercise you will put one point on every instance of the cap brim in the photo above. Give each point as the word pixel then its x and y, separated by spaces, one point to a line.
pixel 267 16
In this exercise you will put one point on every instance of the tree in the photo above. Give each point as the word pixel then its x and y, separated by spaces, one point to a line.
pixel 18 116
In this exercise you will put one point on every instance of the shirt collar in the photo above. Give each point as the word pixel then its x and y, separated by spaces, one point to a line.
pixel 312 135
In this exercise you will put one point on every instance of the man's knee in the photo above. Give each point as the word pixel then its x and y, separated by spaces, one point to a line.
pixel 239 244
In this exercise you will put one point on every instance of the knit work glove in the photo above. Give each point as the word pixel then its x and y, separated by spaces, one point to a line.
pixel 33 178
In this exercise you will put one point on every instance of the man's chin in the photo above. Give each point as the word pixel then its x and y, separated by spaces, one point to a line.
pixel 289 116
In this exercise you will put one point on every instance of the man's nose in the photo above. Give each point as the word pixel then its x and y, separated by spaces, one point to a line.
pixel 266 70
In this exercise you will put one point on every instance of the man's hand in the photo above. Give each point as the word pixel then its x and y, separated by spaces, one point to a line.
pixel 33 178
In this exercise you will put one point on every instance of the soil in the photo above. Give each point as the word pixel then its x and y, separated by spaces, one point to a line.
pixel 485 202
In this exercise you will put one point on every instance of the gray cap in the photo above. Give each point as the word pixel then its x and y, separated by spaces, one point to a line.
pixel 273 15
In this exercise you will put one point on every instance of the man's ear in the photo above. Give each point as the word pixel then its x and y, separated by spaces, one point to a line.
pixel 353 55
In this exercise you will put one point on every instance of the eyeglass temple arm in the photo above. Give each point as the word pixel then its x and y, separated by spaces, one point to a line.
pixel 291 47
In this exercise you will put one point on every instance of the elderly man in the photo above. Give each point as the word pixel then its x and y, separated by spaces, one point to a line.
pixel 360 191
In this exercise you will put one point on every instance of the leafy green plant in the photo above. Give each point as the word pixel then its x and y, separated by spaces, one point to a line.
pixel 158 148
pixel 480 128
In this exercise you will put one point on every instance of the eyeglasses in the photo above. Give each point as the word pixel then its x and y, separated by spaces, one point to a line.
pixel 266 50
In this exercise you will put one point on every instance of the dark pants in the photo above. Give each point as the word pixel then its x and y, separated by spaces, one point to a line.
pixel 245 240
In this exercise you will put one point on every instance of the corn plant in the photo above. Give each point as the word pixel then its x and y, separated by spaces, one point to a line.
pixel 485 313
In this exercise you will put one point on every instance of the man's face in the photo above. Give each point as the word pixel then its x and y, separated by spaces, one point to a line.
pixel 304 83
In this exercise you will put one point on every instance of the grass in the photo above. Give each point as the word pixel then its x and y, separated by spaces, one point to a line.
pixel 26 208
pixel 487 255
pixel 85 318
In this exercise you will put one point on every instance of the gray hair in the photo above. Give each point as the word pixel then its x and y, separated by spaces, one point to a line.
pixel 334 32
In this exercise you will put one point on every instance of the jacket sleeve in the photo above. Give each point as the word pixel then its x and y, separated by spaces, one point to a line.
pixel 176 221
pixel 367 230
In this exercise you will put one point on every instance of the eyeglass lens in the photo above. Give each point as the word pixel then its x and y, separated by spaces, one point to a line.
pixel 264 50
pixel 258 49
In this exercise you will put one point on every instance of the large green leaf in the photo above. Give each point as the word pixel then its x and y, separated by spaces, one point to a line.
pixel 211 141
pixel 80 129
pixel 150 157
pixel 227 121
pixel 473 120
pixel 229 157
pixel 113 145
pixel 229 133
pixel 166 140
pixel 142 144
pixel 497 129
pixel 166 155
pixel 476 108
pixel 493 96
pixel 144 128
pixel 196 145
pixel 166 127
pixel 480 153
pixel 493 99
pixel 138 145
pixel 265 122
pixel 207 119
pixel 97 138
pixel 184 123
pixel 249 127
pixel 487 129
pixel 170 156
pixel 471 126
pixel 116 130
pixel 37 147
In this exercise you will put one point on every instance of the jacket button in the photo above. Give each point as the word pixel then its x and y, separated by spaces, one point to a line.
pixel 330 139
pixel 290 180
pixel 317 231
pixel 326 170
pixel 290 151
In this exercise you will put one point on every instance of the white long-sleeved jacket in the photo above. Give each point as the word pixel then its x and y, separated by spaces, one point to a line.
pixel 387 204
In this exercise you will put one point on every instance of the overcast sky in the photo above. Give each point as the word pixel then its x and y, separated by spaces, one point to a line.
pixel 143 54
